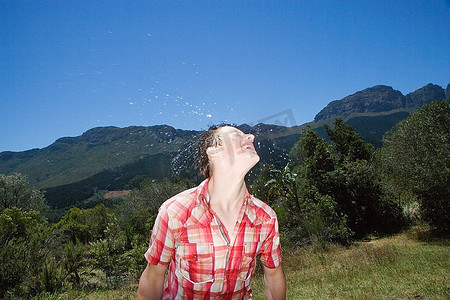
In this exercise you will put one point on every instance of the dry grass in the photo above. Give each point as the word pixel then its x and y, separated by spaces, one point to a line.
pixel 125 293
pixel 399 267
pixel 390 268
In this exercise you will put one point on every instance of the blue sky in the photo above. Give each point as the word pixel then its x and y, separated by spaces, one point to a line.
pixel 68 66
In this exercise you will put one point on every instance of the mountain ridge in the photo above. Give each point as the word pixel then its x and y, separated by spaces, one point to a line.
pixel 109 157
pixel 381 98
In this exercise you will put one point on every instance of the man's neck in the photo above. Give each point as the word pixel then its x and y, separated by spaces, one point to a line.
pixel 226 191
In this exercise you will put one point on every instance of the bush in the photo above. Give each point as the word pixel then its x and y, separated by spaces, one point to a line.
pixel 304 214
pixel 415 159
pixel 320 221
pixel 23 251
pixel 343 169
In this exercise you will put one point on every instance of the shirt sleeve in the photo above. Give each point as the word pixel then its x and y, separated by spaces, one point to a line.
pixel 270 252
pixel 162 244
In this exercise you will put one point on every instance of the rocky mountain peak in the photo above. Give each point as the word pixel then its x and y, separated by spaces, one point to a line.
pixel 424 95
pixel 381 98
pixel 374 99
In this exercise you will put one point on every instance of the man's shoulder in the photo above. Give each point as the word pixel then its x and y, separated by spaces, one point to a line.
pixel 262 209
pixel 183 198
pixel 178 206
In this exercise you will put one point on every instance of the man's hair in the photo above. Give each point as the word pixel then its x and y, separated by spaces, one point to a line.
pixel 207 138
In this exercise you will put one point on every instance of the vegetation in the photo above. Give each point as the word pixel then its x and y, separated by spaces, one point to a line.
pixel 16 191
pixel 332 195
pixel 23 240
pixel 416 160
pixel 399 267
pixel 92 248
pixel 335 182
pixel 305 215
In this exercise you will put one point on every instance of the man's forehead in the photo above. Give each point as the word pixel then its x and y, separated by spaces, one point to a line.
pixel 228 130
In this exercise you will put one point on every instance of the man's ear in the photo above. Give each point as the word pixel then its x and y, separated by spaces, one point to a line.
pixel 213 152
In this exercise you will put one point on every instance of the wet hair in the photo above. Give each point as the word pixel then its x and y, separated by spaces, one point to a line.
pixel 207 138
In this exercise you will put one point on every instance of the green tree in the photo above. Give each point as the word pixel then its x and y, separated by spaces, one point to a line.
pixel 415 158
pixel 284 185
pixel 108 254
pixel 134 258
pixel 258 186
pixel 342 169
pixel 85 225
pixel 82 228
pixel 139 209
pixel 347 143
pixel 74 225
pixel 16 191
pixel 304 214
pixel 74 262
pixel 318 160
pixel 23 251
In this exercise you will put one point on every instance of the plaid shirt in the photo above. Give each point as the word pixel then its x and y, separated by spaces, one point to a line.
pixel 203 265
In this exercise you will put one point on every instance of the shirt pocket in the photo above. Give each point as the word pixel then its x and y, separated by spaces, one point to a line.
pixel 248 262
pixel 195 262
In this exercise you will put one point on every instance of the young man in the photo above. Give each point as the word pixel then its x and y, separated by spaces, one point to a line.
pixel 210 236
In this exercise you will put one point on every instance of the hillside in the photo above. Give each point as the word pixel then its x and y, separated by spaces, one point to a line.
pixel 273 146
pixel 111 158
pixel 111 148
pixel 71 159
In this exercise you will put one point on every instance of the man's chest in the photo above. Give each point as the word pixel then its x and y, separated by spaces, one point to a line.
pixel 204 252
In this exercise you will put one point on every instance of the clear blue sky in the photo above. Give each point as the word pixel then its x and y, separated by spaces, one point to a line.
pixel 68 66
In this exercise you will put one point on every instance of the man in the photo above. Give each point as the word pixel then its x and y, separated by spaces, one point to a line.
pixel 209 236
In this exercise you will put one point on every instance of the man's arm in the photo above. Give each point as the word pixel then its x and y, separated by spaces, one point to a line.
pixel 151 283
pixel 275 283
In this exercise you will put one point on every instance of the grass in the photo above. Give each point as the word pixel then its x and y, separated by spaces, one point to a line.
pixel 398 267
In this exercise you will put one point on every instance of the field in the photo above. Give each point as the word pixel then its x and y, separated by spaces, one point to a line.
pixel 404 266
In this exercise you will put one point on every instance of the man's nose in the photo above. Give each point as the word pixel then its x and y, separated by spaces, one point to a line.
pixel 250 137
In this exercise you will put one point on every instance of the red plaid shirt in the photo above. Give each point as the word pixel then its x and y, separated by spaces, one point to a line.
pixel 203 265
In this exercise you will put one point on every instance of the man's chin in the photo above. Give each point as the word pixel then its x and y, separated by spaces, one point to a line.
pixel 255 160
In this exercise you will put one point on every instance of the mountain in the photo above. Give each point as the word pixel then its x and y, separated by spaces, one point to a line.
pixel 71 159
pixel 273 145
pixel 373 111
pixel 380 99
pixel 110 158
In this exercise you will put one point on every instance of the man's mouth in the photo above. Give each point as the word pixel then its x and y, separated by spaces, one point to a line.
pixel 249 147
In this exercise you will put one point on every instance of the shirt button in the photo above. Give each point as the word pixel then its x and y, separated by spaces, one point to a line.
pixel 195 257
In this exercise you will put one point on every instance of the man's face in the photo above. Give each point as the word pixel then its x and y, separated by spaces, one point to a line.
pixel 236 148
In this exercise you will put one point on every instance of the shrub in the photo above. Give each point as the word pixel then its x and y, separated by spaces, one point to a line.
pixel 23 251
pixel 415 158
